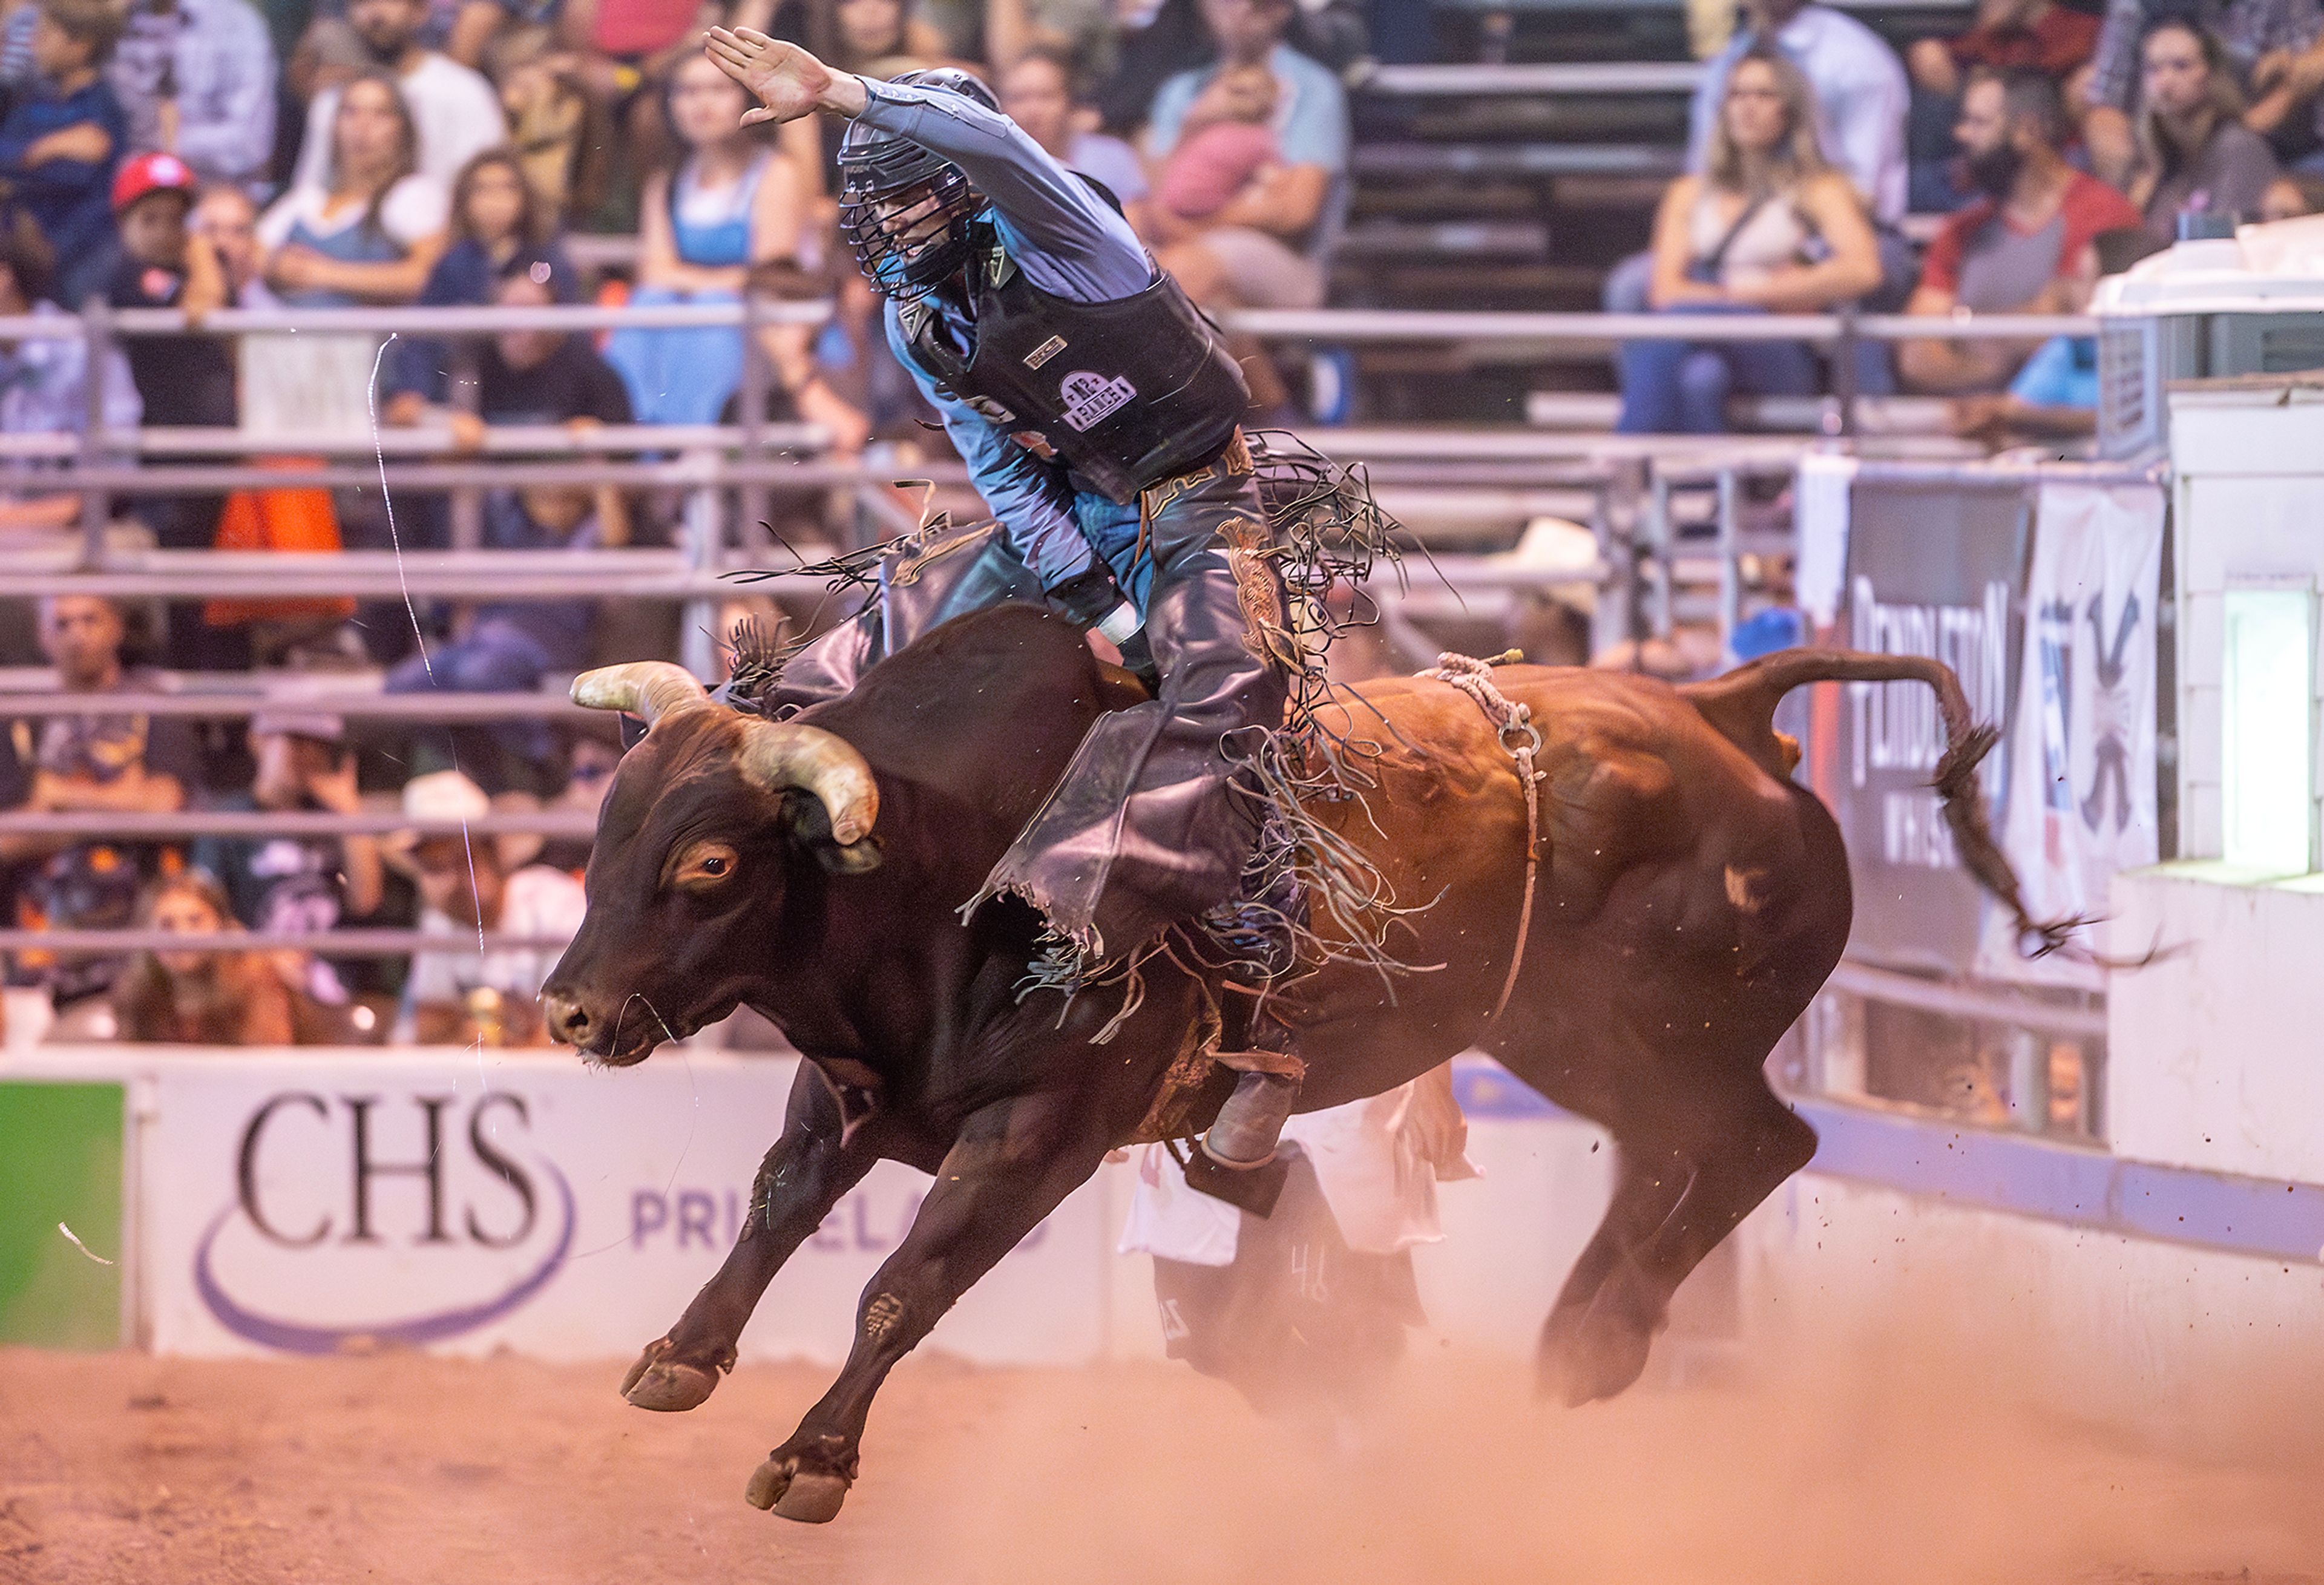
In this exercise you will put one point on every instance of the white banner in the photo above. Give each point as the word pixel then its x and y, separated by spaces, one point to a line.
pixel 307 1205
pixel 315 384
pixel 1821 515
pixel 2081 804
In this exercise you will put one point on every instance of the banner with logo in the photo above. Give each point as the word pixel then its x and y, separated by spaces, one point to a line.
pixel 2081 802
pixel 1936 570
pixel 472 1203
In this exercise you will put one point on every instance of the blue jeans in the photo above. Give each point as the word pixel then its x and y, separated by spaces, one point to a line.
pixel 1625 292
pixel 1681 387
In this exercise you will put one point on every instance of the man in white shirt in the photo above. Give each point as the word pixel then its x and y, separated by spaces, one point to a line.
pixel 473 884
pixel 196 78
pixel 453 109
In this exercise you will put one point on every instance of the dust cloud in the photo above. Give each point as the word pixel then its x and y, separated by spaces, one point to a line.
pixel 1928 1444
pixel 1916 1459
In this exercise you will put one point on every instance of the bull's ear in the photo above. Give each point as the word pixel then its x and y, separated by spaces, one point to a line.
pixel 809 824
pixel 857 858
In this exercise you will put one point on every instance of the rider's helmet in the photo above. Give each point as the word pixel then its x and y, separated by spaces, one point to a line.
pixel 884 176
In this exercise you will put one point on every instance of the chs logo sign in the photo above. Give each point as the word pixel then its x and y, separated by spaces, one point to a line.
pixel 343 1201
pixel 468 1203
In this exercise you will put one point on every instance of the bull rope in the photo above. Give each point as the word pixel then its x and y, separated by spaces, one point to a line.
pixel 1521 740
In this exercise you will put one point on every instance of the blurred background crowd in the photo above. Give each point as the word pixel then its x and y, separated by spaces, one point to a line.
pixel 210 154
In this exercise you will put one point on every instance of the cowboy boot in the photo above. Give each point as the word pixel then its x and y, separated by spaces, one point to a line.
pixel 1250 1124
pixel 1237 1160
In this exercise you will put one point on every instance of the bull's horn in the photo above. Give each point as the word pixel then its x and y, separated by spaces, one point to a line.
pixel 648 689
pixel 779 755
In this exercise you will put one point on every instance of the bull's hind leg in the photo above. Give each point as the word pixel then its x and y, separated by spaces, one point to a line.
pixel 1680 1192
pixel 1014 1161
pixel 1699 1140
pixel 1646 1188
pixel 818 1159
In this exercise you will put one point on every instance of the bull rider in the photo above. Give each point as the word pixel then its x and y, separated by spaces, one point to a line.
pixel 1100 419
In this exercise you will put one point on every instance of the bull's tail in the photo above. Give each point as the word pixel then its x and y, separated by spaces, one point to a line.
pixel 1742 704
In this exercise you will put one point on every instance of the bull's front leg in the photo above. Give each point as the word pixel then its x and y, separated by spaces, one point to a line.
pixel 825 1149
pixel 1011 1165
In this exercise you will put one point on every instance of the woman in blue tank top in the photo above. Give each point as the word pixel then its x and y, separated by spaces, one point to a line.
pixel 732 202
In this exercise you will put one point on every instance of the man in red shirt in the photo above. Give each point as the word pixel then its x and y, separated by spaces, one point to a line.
pixel 2035 35
pixel 2013 251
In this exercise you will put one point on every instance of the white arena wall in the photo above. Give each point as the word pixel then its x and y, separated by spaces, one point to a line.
pixel 2148 1336
pixel 572 1213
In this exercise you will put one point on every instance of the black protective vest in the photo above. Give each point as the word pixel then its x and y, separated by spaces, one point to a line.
pixel 1126 393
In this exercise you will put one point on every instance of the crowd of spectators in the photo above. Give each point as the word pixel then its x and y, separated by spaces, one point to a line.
pixel 205 154
pixel 200 154
pixel 405 150
pixel 2036 141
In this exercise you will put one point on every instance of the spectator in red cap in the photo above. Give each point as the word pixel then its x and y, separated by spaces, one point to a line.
pixel 182 380
pixel 185 381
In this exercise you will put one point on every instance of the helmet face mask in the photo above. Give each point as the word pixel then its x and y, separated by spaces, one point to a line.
pixel 909 235
pixel 903 210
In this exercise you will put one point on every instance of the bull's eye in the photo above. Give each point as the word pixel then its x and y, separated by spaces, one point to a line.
pixel 706 863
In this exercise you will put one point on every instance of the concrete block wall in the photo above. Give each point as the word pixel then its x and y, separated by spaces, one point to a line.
pixel 2215 1052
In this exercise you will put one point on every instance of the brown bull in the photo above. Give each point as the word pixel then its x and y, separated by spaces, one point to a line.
pixel 1691 900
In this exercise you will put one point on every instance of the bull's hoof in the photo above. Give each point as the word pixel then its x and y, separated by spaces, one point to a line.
pixel 1591 1356
pixel 810 1496
pixel 667 1386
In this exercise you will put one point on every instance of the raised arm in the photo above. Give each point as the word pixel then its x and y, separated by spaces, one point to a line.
pixel 1046 204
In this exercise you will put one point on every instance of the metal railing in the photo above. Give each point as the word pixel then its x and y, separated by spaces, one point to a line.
pixel 1503 472
pixel 353 943
pixel 101 328
pixel 1516 472
pixel 1500 335
pixel 1565 78
pixel 422 709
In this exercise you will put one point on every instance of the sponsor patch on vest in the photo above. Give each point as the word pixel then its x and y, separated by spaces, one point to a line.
pixel 1044 352
pixel 989 410
pixel 1089 397
pixel 1034 441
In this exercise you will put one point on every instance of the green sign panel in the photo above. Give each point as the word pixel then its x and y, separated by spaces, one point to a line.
pixel 60 1147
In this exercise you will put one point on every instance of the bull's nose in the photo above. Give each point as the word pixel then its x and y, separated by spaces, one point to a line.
pixel 567 1019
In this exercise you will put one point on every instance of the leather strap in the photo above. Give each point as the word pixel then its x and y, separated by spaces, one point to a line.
pixel 1521 740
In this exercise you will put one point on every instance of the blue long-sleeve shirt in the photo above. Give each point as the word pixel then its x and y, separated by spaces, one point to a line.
pixel 70 199
pixel 1070 243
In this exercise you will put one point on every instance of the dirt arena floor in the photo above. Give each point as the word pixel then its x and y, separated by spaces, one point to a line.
pixel 118 1468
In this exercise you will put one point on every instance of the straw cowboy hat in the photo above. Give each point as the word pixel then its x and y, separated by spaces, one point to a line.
pixel 448 795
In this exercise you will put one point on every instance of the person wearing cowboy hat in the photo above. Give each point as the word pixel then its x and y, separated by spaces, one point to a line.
pixel 472 884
